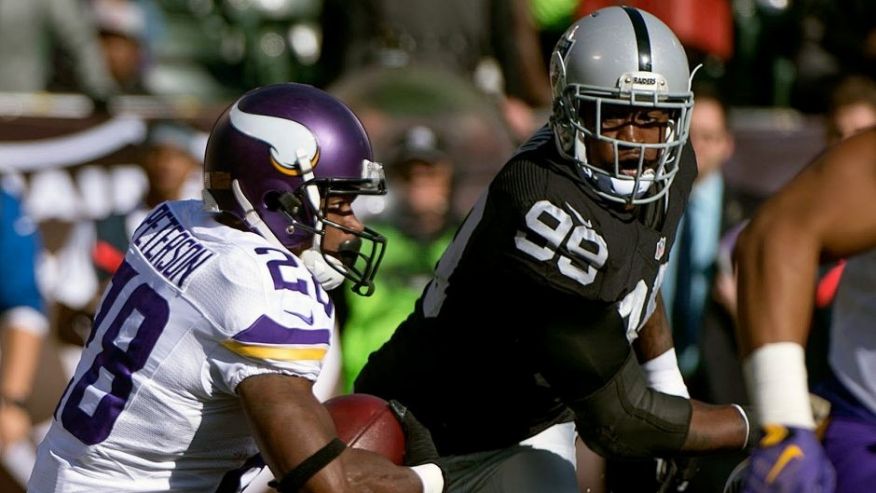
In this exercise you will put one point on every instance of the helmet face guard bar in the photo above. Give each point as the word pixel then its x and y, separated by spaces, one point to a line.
pixel 613 61
pixel 359 258
pixel 358 266
pixel 657 173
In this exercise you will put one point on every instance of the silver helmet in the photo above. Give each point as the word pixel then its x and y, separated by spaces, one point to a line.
pixel 621 59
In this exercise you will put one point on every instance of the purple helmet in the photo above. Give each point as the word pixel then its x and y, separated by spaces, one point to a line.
pixel 274 156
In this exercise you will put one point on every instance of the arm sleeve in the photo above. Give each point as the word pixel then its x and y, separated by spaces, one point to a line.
pixel 588 360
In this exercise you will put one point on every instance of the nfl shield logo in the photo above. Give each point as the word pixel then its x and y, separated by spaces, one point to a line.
pixel 661 248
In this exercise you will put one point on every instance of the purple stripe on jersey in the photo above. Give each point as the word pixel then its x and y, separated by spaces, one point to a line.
pixel 267 331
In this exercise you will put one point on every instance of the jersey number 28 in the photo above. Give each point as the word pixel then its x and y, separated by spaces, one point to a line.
pixel 98 397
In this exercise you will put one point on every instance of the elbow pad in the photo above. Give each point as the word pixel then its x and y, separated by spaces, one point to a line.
pixel 627 419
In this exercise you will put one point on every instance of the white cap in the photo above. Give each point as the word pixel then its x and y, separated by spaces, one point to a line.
pixel 124 17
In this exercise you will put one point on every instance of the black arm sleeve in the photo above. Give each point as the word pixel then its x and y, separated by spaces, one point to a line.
pixel 588 361
pixel 626 418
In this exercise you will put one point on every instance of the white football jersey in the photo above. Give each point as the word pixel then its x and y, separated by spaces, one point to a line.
pixel 853 329
pixel 195 308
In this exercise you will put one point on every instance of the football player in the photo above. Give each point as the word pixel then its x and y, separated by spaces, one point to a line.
pixel 824 213
pixel 211 333
pixel 546 309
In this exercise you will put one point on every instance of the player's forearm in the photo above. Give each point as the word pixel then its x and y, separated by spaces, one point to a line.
pixel 655 352
pixel 777 264
pixel 655 338
pixel 718 427
pixel 777 271
pixel 370 472
pixel 20 357
pixel 291 427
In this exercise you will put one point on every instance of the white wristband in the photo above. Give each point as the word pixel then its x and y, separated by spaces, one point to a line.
pixel 431 476
pixel 776 377
pixel 663 375
pixel 26 319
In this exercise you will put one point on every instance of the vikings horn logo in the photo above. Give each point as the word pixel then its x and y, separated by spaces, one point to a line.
pixel 287 138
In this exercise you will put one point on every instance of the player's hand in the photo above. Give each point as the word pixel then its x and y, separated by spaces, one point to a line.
pixel 419 447
pixel 789 460
pixel 674 474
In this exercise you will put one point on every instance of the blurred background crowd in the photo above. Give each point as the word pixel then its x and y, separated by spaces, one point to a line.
pixel 105 106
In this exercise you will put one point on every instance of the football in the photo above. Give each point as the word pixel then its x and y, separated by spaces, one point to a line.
pixel 366 422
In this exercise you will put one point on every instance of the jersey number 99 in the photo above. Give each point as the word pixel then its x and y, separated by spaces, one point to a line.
pixel 554 225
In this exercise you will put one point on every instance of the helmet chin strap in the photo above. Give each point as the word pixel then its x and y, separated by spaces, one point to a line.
pixel 252 218
pixel 627 187
pixel 313 259
pixel 327 270
pixel 318 265
pixel 610 184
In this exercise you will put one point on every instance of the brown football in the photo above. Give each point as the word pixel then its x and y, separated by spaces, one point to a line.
pixel 366 422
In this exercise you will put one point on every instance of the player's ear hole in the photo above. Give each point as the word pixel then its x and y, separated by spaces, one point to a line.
pixel 282 201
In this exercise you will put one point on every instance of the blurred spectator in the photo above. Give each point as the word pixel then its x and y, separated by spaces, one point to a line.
pixel 122 28
pixel 688 279
pixel 391 100
pixel 95 249
pixel 22 326
pixel 31 29
pixel 838 37
pixel 418 226
pixel 455 35
pixel 766 36
pixel 852 107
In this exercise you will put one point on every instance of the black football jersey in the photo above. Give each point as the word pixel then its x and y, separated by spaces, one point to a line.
pixel 532 306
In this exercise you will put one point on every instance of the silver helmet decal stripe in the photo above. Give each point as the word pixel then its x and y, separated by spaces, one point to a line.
pixel 643 41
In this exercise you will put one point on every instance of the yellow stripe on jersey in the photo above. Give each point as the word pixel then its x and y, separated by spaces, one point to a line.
pixel 276 353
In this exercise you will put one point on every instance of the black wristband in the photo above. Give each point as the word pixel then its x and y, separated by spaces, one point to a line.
pixel 296 478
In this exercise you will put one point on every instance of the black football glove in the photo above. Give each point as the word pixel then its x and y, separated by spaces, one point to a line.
pixel 419 447
pixel 674 475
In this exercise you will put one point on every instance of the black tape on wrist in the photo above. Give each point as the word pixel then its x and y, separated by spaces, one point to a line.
pixel 296 478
